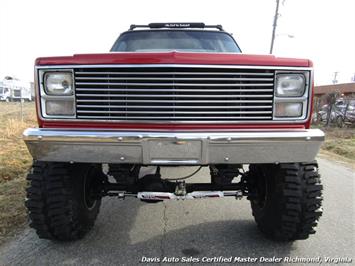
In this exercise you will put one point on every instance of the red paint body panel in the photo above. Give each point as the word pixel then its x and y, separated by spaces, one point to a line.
pixel 170 58
pixel 173 58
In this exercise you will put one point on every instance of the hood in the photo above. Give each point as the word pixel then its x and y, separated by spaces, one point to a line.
pixel 173 58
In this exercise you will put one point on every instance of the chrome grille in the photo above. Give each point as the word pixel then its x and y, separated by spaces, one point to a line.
pixel 174 94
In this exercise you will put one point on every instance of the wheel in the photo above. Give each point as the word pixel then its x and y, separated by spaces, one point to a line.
pixel 63 199
pixel 286 199
pixel 340 122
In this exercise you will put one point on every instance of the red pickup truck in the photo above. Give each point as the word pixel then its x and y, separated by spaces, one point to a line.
pixel 173 94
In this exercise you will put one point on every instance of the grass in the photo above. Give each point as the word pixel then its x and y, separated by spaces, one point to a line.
pixel 340 142
pixel 15 161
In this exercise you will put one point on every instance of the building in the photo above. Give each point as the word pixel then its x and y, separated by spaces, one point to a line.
pixel 347 89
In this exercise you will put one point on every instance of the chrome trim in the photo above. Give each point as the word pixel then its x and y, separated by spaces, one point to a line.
pixel 179 87
pixel 169 96
pixel 176 84
pixel 293 99
pixel 197 148
pixel 178 107
pixel 163 119
pixel 180 101
pixel 177 112
pixel 55 97
pixel 148 78
pixel 176 73
pixel 276 68
pixel 304 99
pixel 179 90
pixel 175 162
pixel 161 87
pixel 32 134
pixel 44 96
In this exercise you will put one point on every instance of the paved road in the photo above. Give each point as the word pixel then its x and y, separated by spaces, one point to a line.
pixel 126 231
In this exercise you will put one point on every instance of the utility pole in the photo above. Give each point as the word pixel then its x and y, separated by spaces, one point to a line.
pixel 274 26
pixel 335 81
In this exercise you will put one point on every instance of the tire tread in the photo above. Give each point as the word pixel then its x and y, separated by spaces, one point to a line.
pixel 299 201
pixel 51 204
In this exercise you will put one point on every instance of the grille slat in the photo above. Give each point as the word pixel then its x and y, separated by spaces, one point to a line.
pixel 173 101
pixel 173 84
pixel 174 79
pixel 176 112
pixel 177 90
pixel 176 73
pixel 206 118
pixel 170 96
pixel 174 94
pixel 175 107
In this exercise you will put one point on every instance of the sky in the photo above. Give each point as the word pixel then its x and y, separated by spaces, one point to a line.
pixel 321 30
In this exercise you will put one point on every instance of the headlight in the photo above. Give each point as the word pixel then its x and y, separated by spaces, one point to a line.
pixel 290 85
pixel 58 83
pixel 286 109
pixel 57 95
pixel 291 95
pixel 60 107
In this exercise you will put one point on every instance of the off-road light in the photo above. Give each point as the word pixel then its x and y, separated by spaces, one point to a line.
pixel 290 85
pixel 60 107
pixel 287 109
pixel 58 83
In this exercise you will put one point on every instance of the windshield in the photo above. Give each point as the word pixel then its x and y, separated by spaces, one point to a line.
pixel 176 40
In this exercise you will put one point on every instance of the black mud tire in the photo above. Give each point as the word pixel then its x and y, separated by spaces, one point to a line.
pixel 57 199
pixel 287 199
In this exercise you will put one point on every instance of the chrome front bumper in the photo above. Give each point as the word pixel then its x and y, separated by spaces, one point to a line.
pixel 173 148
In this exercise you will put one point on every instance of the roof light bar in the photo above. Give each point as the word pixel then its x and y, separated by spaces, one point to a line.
pixel 175 25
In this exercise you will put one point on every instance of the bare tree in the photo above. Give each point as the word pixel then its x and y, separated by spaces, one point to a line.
pixel 331 98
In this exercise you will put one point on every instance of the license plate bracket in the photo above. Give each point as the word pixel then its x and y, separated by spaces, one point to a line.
pixel 175 151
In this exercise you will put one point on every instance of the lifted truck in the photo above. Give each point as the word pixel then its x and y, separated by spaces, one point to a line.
pixel 173 94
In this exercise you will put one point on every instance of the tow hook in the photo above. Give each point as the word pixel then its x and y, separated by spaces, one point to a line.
pixel 180 189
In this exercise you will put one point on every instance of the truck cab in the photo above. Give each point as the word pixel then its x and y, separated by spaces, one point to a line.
pixel 174 94
pixel 4 93
pixel 16 90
